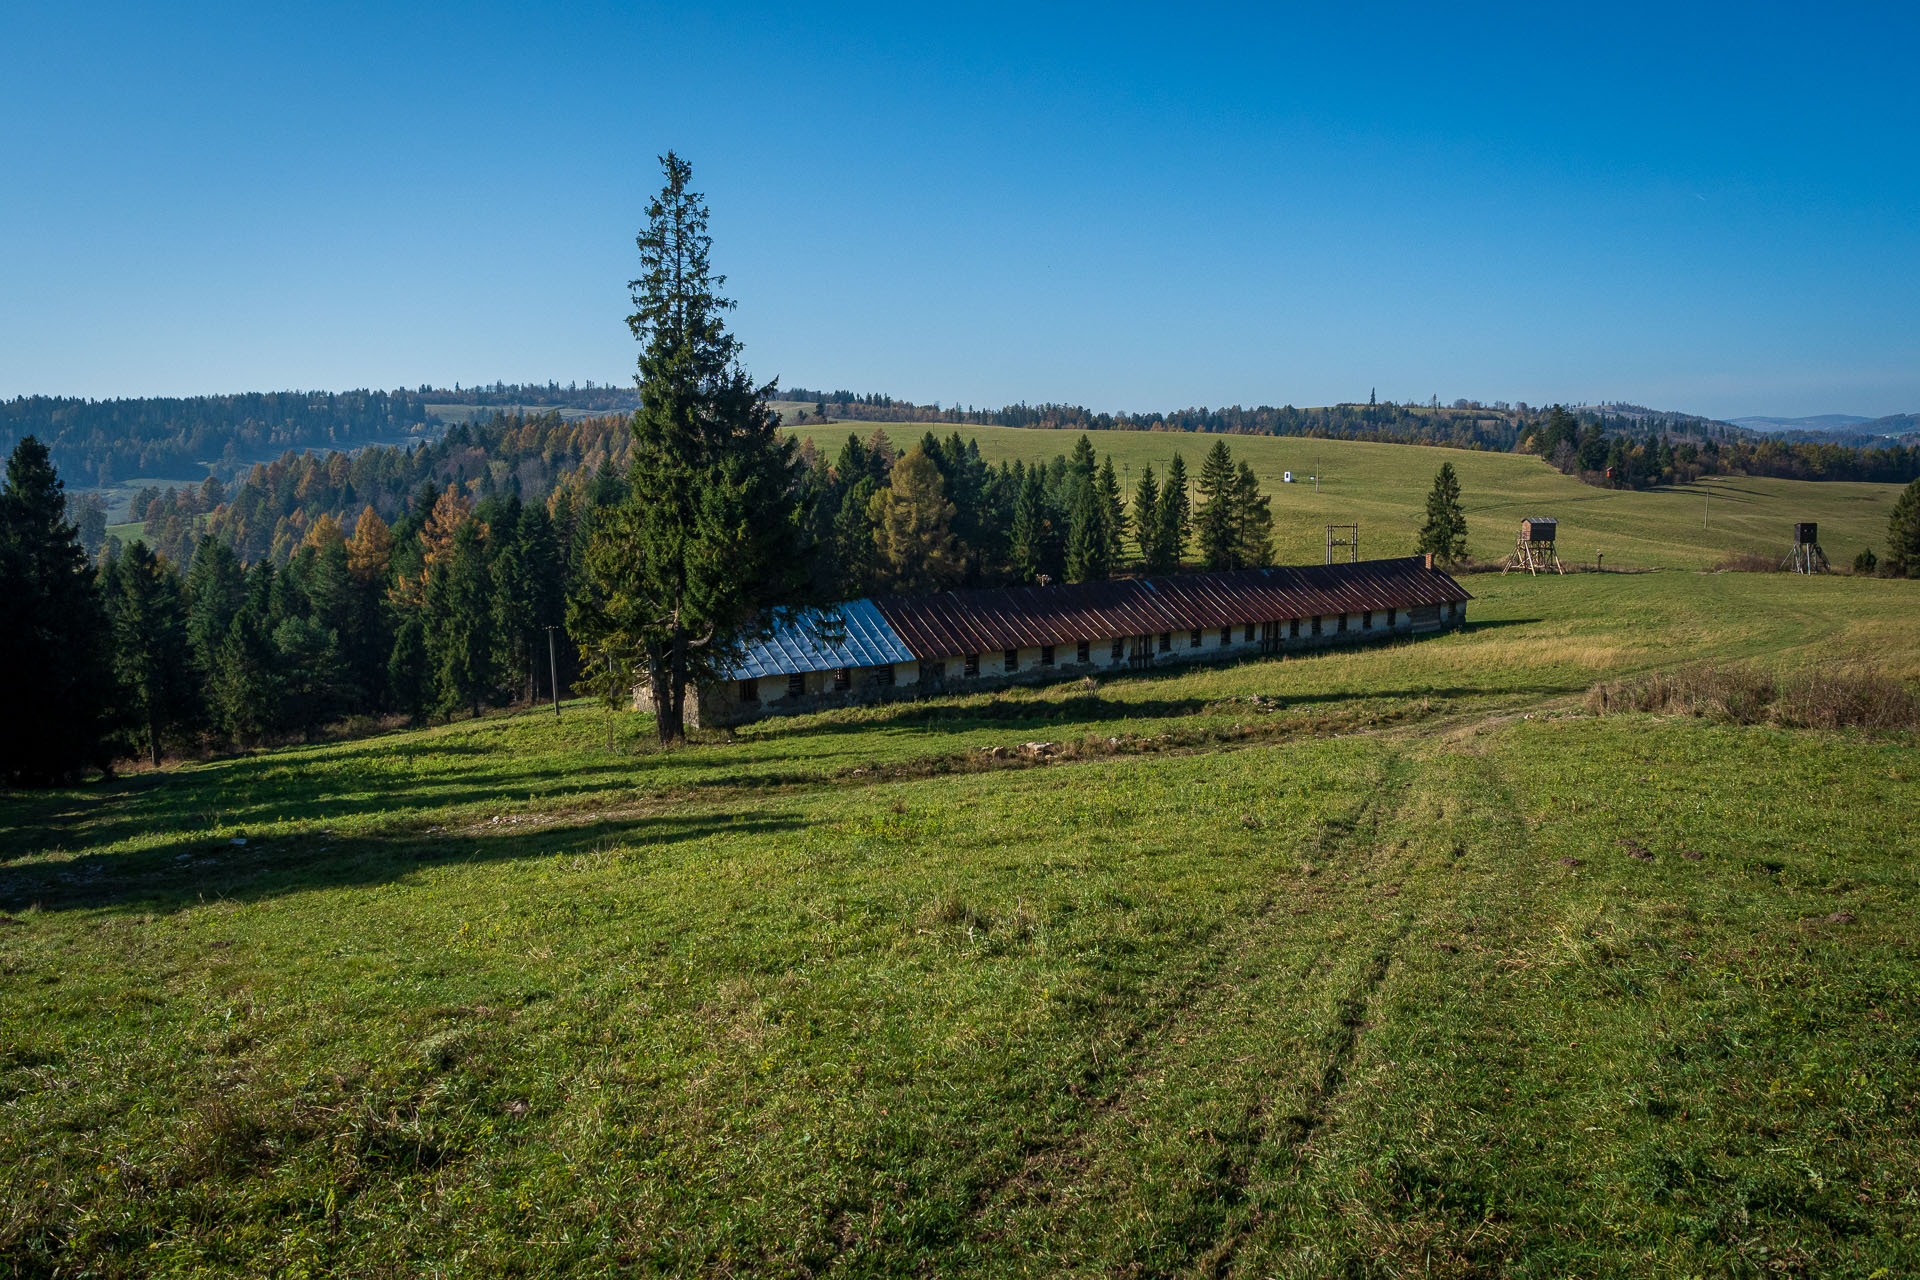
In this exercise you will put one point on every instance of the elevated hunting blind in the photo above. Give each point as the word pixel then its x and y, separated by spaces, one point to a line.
pixel 1533 550
pixel 1806 556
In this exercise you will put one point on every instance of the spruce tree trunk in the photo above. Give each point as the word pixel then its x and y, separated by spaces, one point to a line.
pixel 153 736
pixel 674 727
pixel 661 676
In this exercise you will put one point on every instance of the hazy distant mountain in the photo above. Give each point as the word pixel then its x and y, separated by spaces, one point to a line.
pixel 1819 422
pixel 1894 424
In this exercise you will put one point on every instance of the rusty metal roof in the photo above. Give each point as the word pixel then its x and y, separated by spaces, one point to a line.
pixel 990 620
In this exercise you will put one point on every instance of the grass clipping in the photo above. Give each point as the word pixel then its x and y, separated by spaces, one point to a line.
pixel 1832 698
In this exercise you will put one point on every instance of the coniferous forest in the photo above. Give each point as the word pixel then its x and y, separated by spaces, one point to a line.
pixel 332 590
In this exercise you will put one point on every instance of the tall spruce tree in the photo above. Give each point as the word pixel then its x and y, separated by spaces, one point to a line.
pixel 409 671
pixel 1217 526
pixel 682 574
pixel 460 634
pixel 54 640
pixel 1146 517
pixel 855 553
pixel 1253 547
pixel 1172 531
pixel 248 689
pixel 146 606
pixel 1445 532
pixel 1031 552
pixel 1089 535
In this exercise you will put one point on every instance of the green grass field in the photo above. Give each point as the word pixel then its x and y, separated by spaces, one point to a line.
pixel 1374 963
pixel 1384 488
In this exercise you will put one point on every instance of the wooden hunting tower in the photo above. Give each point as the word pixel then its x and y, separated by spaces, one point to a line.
pixel 1533 550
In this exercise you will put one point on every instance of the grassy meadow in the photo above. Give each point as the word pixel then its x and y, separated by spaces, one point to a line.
pixel 1377 963
pixel 1384 488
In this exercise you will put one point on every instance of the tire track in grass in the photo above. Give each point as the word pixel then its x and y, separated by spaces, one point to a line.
pixel 1297 1130
pixel 1063 1181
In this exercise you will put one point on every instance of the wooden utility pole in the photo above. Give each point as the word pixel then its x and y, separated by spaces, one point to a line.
pixel 553 674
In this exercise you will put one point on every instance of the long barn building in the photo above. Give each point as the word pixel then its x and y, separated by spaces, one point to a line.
pixel 909 646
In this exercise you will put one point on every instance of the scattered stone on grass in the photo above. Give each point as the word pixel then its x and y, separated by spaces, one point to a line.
pixel 1571 862
pixel 1692 855
pixel 1842 917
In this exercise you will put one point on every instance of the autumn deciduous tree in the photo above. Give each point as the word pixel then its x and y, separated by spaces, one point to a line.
pixel 370 549
pixel 913 527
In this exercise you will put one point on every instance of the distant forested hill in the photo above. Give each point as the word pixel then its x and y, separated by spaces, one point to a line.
pixel 99 443
pixel 277 502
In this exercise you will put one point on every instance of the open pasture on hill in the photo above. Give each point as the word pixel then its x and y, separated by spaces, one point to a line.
pixel 1368 963
pixel 1384 488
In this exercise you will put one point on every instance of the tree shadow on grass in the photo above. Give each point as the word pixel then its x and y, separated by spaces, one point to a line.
pixel 195 869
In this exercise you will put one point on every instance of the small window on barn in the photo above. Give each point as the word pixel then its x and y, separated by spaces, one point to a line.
pixel 843 679
pixel 1316 626
pixel 1013 659
pixel 1119 649
pixel 1193 638
pixel 1226 636
pixel 1293 628
pixel 1046 655
pixel 1366 620
pixel 797 685
pixel 1246 631
pixel 970 665
pixel 1341 625
pixel 1393 616
pixel 939 670
pixel 749 691
pixel 1084 653
pixel 883 676
pixel 1166 641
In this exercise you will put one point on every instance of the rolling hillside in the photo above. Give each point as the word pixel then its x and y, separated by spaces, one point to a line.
pixel 1365 963
pixel 1384 488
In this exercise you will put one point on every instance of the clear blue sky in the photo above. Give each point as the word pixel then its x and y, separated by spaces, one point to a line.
pixel 1715 209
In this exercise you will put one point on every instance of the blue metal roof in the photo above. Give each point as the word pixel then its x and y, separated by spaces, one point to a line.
pixel 853 635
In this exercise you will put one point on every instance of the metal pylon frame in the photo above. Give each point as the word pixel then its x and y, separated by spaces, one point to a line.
pixel 1349 539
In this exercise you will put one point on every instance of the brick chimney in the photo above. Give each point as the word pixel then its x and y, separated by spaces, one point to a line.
pixel 1429 562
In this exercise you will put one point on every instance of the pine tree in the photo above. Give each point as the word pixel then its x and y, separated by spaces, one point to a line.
pixel 54 640
pixel 1032 551
pixel 247 690
pixel 1146 517
pixel 912 527
pixel 1903 533
pixel 682 574
pixel 1170 537
pixel 1089 536
pixel 1116 507
pixel 146 607
pixel 855 554
pixel 409 674
pixel 1445 532
pixel 216 590
pixel 1254 546
pixel 1218 523
pixel 460 635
